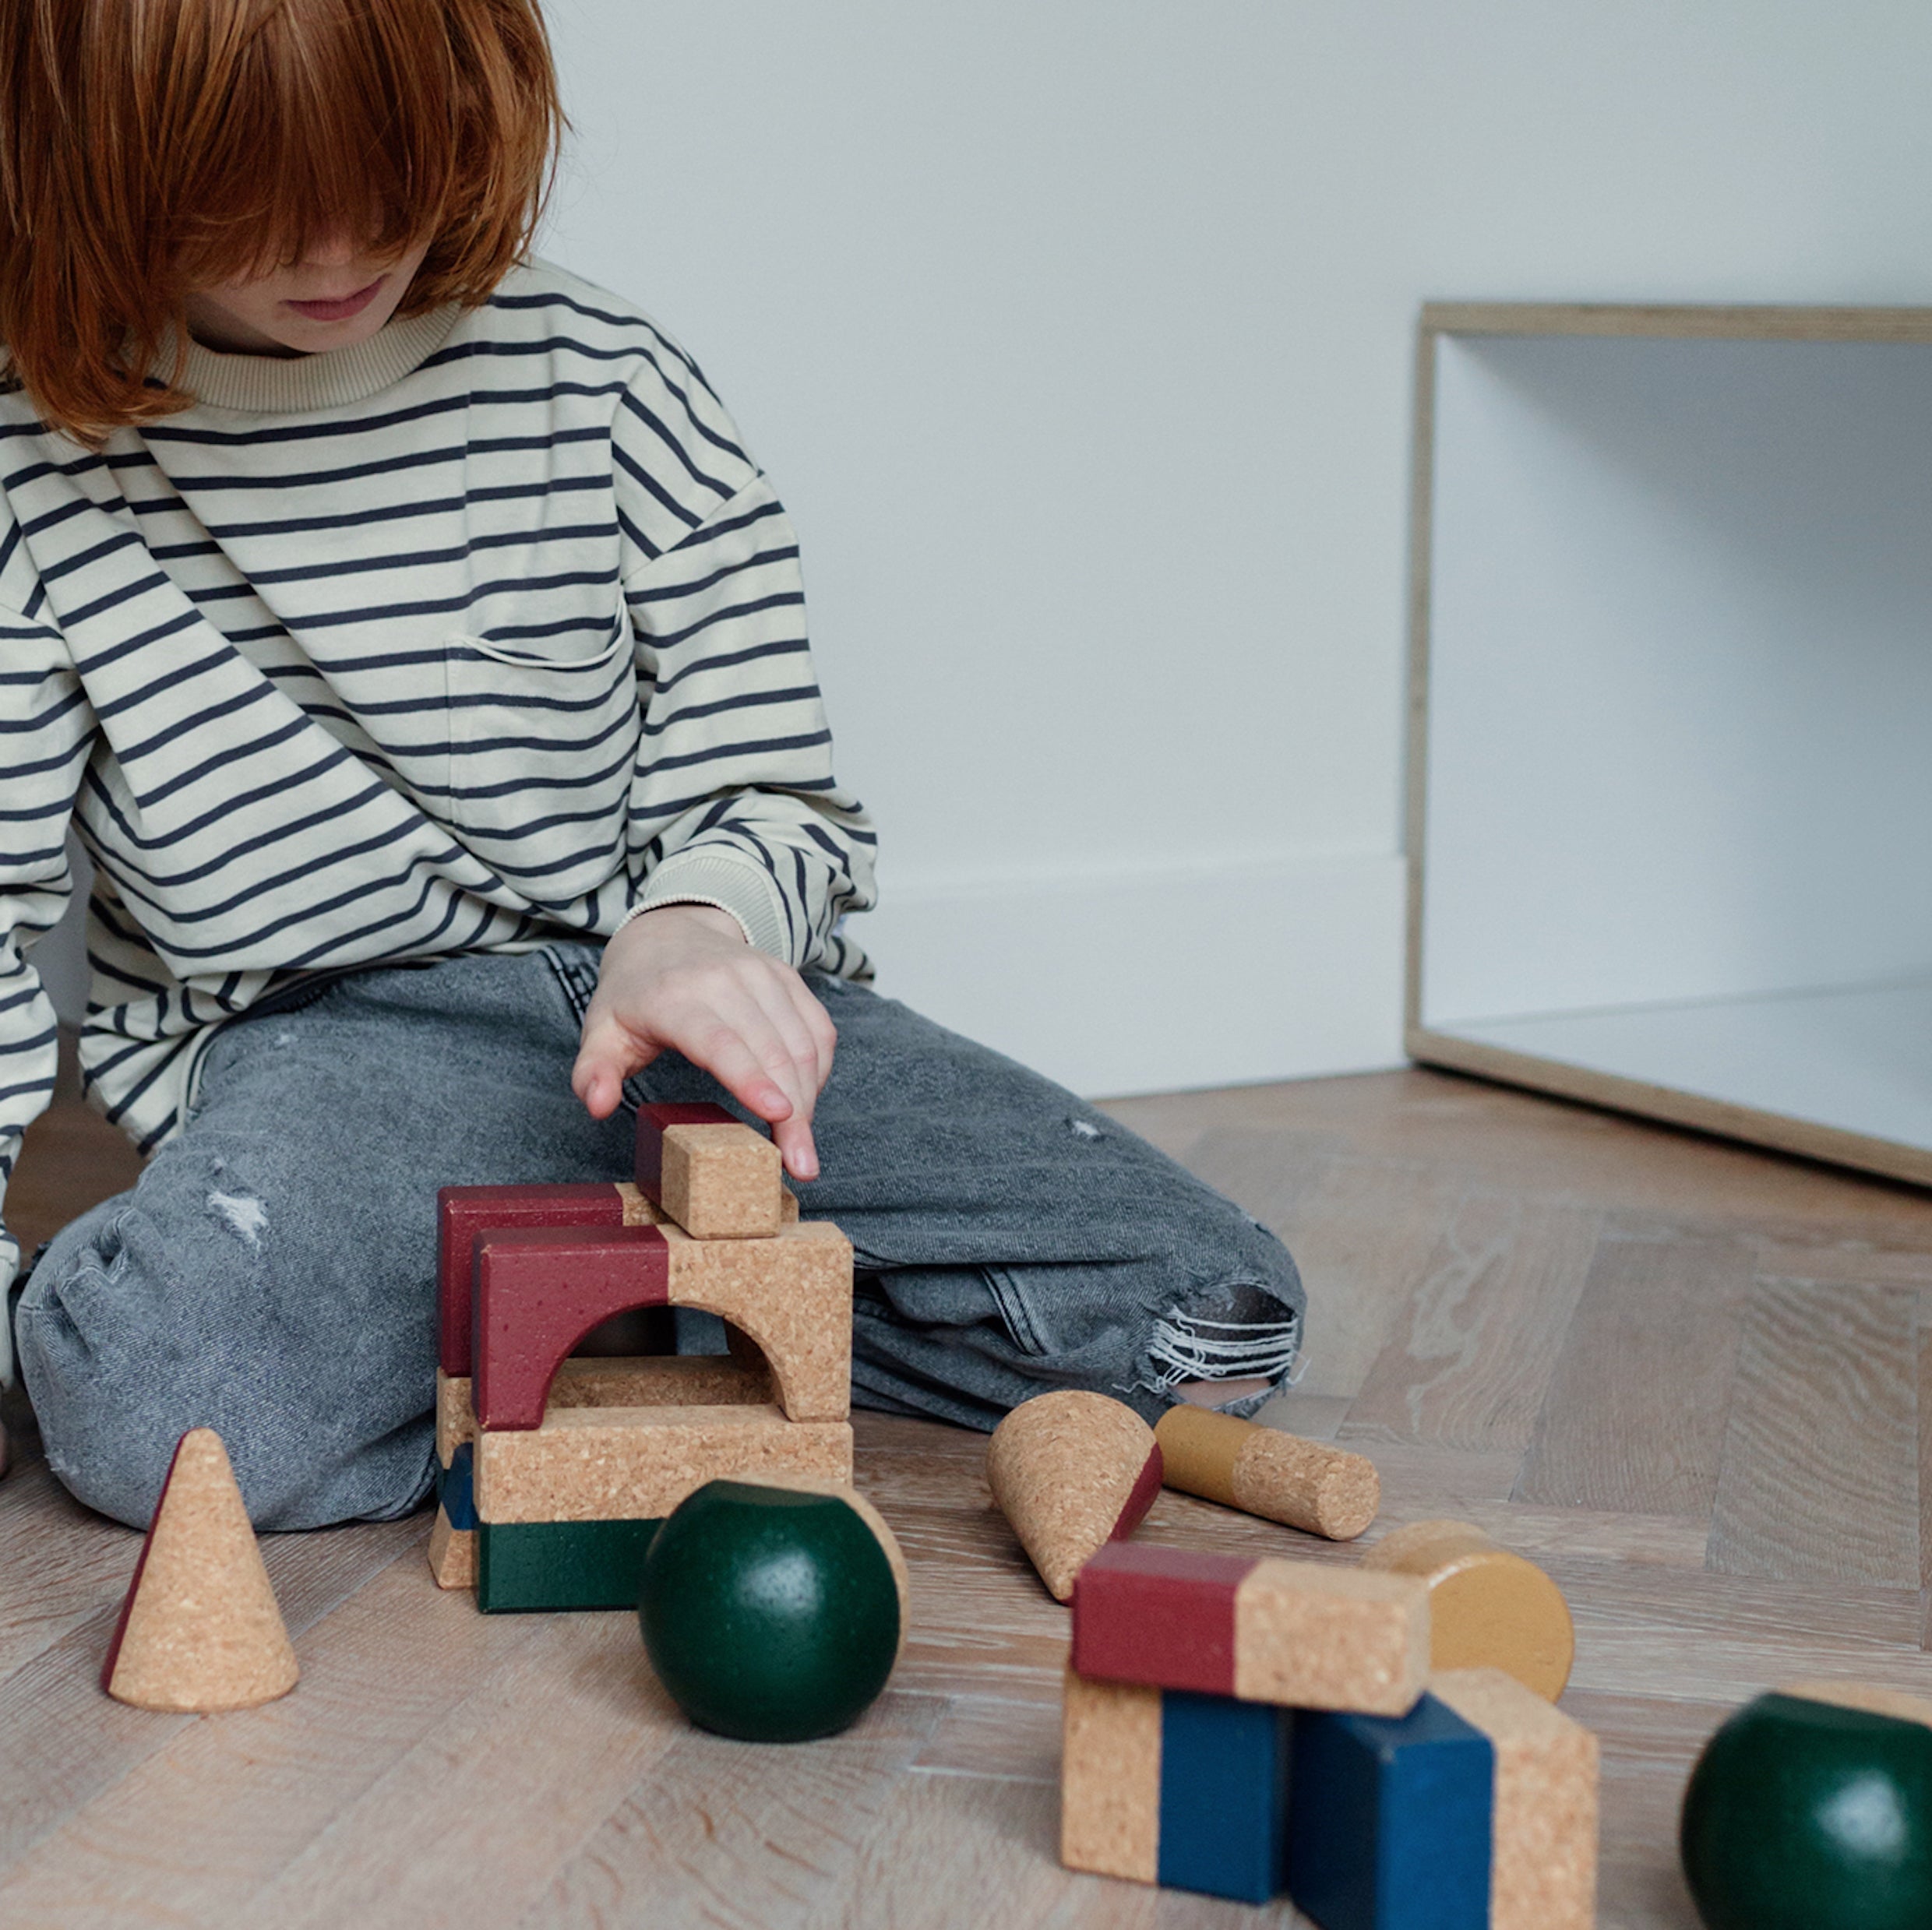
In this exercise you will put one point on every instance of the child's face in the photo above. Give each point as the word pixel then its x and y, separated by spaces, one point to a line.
pixel 336 296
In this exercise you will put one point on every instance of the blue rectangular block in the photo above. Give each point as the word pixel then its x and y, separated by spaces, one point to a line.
pixel 1224 1780
pixel 455 1487
pixel 1389 1820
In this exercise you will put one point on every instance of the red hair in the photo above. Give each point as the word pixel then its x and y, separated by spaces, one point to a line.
pixel 147 146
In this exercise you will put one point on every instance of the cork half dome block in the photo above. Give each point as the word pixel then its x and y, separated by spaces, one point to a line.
pixel 715 1176
pixel 200 1629
pixel 1071 1471
pixel 1488 1608
pixel 1543 1852
pixel 1300 1633
pixel 1306 1485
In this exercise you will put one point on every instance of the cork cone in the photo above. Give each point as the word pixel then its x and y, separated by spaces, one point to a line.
pixel 200 1630
pixel 1072 1471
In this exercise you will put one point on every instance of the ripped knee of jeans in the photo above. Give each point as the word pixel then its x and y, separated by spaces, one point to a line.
pixel 1238 1331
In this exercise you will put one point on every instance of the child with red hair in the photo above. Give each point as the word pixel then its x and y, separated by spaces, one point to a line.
pixel 404 629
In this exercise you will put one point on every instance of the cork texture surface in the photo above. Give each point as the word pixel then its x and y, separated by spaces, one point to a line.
pixel 1061 1467
pixel 722 1183
pixel 452 1554
pixel 1543 1868
pixel 1316 1637
pixel 1110 1778
pixel 1312 1485
pixel 791 1295
pixel 200 1631
pixel 1488 1608
pixel 617 1463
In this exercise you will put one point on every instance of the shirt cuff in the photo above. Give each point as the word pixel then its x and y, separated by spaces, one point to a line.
pixel 735 885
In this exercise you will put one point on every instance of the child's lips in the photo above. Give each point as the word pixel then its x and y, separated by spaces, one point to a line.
pixel 341 309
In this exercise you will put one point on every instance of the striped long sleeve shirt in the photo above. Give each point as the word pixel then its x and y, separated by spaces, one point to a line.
pixel 485 630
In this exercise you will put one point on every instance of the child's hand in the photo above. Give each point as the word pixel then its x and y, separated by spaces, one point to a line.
pixel 683 977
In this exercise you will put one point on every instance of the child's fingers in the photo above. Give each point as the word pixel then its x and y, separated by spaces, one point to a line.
pixel 607 1055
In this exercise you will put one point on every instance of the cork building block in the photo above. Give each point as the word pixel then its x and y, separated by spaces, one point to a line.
pixel 1164 1786
pixel 1543 1845
pixel 791 1295
pixel 452 1554
pixel 1071 1471
pixel 200 1630
pixel 642 1380
pixel 456 1488
pixel 1389 1820
pixel 1299 1633
pixel 1110 1778
pixel 538 1292
pixel 1308 1484
pixel 637 1463
pixel 463 1212
pixel 1488 1608
pixel 715 1176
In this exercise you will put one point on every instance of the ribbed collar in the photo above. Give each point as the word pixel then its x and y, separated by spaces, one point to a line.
pixel 272 385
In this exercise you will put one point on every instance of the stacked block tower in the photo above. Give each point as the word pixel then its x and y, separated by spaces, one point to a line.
pixel 556 1471
pixel 1244 1727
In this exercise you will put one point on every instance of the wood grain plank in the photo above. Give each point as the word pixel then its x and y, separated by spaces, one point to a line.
pixel 80 1566
pixel 66 1742
pixel 1634 1418
pixel 731 1833
pixel 1820 1473
pixel 1469 1361
pixel 196 1829
pixel 980 1735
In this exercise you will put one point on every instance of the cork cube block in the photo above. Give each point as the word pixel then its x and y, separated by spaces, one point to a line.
pixel 1169 1786
pixel 452 1554
pixel 463 1212
pixel 1389 1820
pixel 637 1463
pixel 1543 1844
pixel 712 1174
pixel 1301 1634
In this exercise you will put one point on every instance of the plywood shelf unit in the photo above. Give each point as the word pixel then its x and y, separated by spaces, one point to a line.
pixel 1670 751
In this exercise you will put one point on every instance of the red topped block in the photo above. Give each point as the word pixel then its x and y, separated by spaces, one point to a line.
pixel 538 1290
pixel 463 1212
pixel 1143 1613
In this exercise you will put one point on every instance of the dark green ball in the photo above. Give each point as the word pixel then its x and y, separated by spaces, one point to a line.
pixel 769 1614
pixel 1804 1815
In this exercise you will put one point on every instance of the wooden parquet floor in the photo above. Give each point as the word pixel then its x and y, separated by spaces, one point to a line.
pixel 1685 1377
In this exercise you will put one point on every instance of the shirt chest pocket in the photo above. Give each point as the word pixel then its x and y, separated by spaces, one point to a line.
pixel 543 740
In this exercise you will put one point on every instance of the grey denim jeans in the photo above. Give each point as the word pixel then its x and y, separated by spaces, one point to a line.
pixel 272 1274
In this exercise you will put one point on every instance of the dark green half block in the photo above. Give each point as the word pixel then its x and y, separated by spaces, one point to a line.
pixel 771 1613
pixel 561 1564
pixel 1805 1815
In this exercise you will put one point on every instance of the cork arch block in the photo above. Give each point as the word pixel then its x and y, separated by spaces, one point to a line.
pixel 539 1291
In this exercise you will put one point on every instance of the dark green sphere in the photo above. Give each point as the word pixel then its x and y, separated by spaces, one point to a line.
pixel 769 1614
pixel 1805 1815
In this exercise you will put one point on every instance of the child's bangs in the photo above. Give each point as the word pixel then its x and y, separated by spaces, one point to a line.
pixel 338 122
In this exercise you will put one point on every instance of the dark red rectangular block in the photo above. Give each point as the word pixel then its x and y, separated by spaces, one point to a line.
pixel 1147 1614
pixel 463 1212
pixel 538 1292
pixel 651 1122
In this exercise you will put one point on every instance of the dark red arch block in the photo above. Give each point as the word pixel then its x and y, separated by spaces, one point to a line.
pixel 463 1212
pixel 538 1292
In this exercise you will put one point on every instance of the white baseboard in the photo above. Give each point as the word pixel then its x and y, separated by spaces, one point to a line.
pixel 1160 981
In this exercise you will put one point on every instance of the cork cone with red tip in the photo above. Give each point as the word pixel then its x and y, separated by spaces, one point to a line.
pixel 200 1630
pixel 1072 1471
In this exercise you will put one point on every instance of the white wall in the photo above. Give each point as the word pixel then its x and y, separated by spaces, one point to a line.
pixel 1076 334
